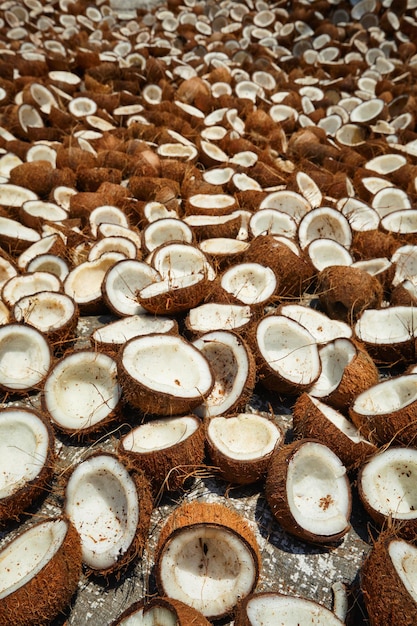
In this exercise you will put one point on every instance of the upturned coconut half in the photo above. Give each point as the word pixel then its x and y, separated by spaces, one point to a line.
pixel 241 445
pixel 207 556
pixel 81 393
pixel 273 608
pixel 316 420
pixel 40 571
pixel 168 450
pixel 161 611
pixel 387 411
pixel 114 335
pixel 389 581
pixel 164 374
pixel 27 454
pixel 308 491
pixel 110 508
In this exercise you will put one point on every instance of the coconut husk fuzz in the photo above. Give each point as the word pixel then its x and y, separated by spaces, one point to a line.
pixel 33 175
pixel 372 244
pixel 184 614
pixel 309 422
pixel 175 300
pixel 47 594
pixel 345 292
pixel 276 495
pixel 386 598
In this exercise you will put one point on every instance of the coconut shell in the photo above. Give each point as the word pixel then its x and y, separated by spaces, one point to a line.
pixel 310 422
pixel 33 175
pixel 185 615
pixel 47 594
pixel 386 598
pixel 175 300
pixel 345 291
pixel 168 468
pixel 276 494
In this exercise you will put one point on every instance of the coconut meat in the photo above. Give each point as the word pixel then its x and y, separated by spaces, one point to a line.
pixel 279 610
pixel 340 421
pixel 82 390
pixel 335 358
pixel 122 330
pixel 244 437
pixel 387 396
pixel 389 483
pixel 102 502
pixel 46 310
pixel 404 558
pixel 394 324
pixel 166 364
pixel 24 445
pixel 317 490
pixel 22 559
pixel 176 260
pixel 156 615
pixel 159 434
pixel 208 568
pixel 24 357
pixel 318 324
pixel 250 282
pixel 214 315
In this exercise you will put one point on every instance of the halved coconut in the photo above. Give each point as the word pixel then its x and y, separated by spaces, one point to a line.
pixel 316 420
pixel 15 237
pixel 25 358
pixel 324 222
pixel 110 508
pixel 173 295
pixel 317 323
pixel 250 283
pixel 387 488
pixel 388 581
pixel 326 252
pixel 387 411
pixel 54 314
pixel 162 611
pixel 265 608
pixel 164 230
pixel 207 556
pixel 51 244
pixel 164 374
pixel 121 283
pixel 173 260
pixel 114 335
pixel 241 446
pixel 218 316
pixel 81 392
pixel 41 568
pixel 27 452
pixel 28 284
pixel 168 450
pixel 210 204
pixel 346 371
pixel 308 491
pixel 389 333
pixel 233 368
pixel 287 354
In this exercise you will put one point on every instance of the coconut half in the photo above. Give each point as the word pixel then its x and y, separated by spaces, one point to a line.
pixel 25 358
pixel 27 453
pixel 241 445
pixel 266 608
pixel 218 316
pixel 168 450
pixel 121 283
pixel 161 611
pixel 389 581
pixel 81 392
pixel 308 491
pixel 233 368
pixel 40 571
pixel 114 335
pixel 207 556
pixel 110 510
pixel 164 374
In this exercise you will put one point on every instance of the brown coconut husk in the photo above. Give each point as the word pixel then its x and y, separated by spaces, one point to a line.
pixel 184 614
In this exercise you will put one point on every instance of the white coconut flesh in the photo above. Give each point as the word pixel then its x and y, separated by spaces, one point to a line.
pixel 113 244
pixel 27 284
pixel 389 484
pixel 83 283
pixel 251 283
pixel 173 260
pixel 42 246
pixel 387 396
pixel 160 434
pixel 212 316
pixel 289 349
pixel 45 310
pixel 317 490
pixel 223 246
pixel 45 210
pixel 272 221
pixel 230 366
pixel 405 259
pixel 404 558
pixel 82 389
pixel 318 324
pixel 122 282
pixel 7 271
pixel 244 437
pixel 15 196
pixel 324 222
pixel 340 421
pixel 287 201
pixel 169 284
pixel 168 229
pixel 102 503
pixel 24 444
pixel 335 358
pixel 393 325
pixel 122 330
pixel 25 357
pixel 403 222
pixel 155 616
pixel 22 559
pixel 207 567
pixel 279 610
pixel 167 364
pixel 328 252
